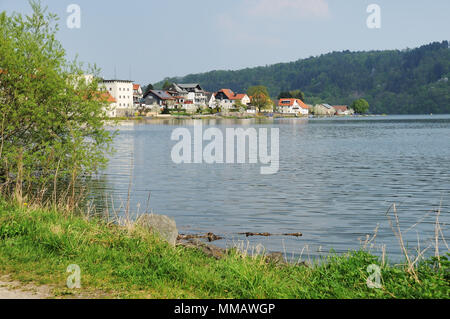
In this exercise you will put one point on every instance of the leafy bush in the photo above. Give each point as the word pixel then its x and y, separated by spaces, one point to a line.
pixel 51 114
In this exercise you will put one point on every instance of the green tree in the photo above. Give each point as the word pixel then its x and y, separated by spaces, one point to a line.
pixel 260 97
pixel 166 85
pixel 297 94
pixel 285 95
pixel 239 105
pixel 360 106
pixel 51 115
pixel 147 88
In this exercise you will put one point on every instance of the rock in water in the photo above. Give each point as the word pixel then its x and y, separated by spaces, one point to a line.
pixel 161 224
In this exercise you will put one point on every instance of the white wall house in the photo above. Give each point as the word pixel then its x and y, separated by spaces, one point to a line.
pixel 293 106
pixel 122 92
pixel 227 99
pixel 137 95
pixel 111 109
pixel 211 100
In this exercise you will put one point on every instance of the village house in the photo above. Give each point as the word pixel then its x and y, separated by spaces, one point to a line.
pixel 343 110
pixel 137 95
pixel 190 94
pixel 159 98
pixel 211 100
pixel 293 106
pixel 227 99
pixel 111 109
pixel 122 92
pixel 324 110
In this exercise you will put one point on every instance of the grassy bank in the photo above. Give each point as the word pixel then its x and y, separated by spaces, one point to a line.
pixel 37 245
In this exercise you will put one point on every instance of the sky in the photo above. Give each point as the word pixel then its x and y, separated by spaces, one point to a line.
pixel 146 40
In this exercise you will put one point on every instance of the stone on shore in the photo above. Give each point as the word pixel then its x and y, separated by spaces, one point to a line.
pixel 160 224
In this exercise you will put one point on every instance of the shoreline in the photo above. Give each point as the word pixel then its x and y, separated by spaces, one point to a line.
pixel 234 116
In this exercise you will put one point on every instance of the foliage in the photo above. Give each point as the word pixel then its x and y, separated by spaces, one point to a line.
pixel 360 106
pixel 285 95
pixel 51 118
pixel 130 262
pixel 165 110
pixel 147 88
pixel 393 81
pixel 239 105
pixel 166 85
pixel 259 97
pixel 295 94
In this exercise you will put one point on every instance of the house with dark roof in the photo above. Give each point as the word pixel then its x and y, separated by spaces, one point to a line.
pixel 159 97
pixel 192 93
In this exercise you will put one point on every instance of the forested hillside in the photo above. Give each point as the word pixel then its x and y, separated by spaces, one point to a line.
pixel 411 81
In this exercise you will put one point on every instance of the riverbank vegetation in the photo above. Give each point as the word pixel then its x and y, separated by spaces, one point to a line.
pixel 38 244
pixel 51 114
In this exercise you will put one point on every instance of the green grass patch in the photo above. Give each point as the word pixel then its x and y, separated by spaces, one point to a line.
pixel 37 245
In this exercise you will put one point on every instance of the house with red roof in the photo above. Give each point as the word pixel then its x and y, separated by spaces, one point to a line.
pixel 343 110
pixel 111 102
pixel 293 106
pixel 137 94
pixel 227 99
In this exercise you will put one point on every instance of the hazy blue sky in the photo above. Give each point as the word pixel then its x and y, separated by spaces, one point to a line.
pixel 156 39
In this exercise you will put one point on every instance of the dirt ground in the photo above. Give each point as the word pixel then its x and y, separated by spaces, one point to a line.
pixel 15 290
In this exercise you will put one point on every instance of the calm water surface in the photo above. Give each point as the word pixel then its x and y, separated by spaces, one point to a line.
pixel 337 179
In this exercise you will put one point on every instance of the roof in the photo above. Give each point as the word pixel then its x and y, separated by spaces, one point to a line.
pixel 209 95
pixel 231 95
pixel 342 108
pixel 291 102
pixel 228 93
pixel 328 106
pixel 188 87
pixel 163 95
pixel 240 96
pixel 108 81
pixel 136 86
pixel 106 97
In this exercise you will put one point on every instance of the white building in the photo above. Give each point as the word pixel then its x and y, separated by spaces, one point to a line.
pixel 293 106
pixel 137 95
pixel 122 91
pixel 111 109
pixel 227 99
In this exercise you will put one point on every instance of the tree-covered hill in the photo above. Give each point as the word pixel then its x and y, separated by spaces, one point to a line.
pixel 411 81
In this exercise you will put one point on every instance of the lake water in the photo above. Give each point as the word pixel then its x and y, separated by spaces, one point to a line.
pixel 337 178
